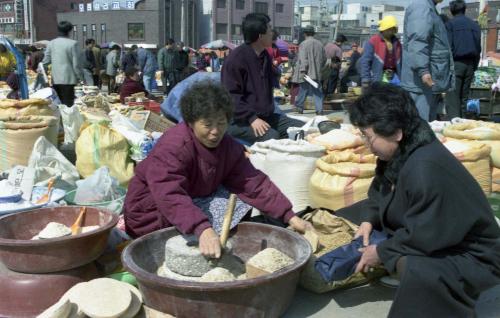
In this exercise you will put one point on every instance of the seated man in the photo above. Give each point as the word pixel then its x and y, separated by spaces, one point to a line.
pixel 443 240
pixel 248 76
pixel 185 181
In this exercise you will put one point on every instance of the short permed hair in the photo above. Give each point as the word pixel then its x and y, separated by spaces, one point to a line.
pixel 204 100
pixel 89 41
pixel 386 108
pixel 253 25
pixel 457 7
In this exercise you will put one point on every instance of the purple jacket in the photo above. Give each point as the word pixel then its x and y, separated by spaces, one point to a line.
pixel 180 168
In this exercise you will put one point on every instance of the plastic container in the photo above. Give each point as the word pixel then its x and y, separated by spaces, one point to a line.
pixel 11 198
pixel 114 206
pixel 21 254
pixel 264 296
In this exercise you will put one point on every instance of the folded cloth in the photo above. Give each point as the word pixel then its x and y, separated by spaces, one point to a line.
pixel 340 263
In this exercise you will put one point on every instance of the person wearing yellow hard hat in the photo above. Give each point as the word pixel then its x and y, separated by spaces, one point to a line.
pixel 381 59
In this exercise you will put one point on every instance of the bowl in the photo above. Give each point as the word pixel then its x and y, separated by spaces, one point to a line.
pixel 21 254
pixel 28 295
pixel 11 198
pixel 264 296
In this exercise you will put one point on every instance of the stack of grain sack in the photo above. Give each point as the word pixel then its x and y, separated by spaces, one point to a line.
pixel 22 122
pixel 343 176
pixel 289 164
pixel 477 145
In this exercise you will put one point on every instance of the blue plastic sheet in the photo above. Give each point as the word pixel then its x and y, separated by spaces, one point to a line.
pixel 340 263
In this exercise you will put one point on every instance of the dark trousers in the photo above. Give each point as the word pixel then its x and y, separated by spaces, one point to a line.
pixel 172 78
pixel 279 124
pixel 344 82
pixel 456 100
pixel 332 81
pixel 66 93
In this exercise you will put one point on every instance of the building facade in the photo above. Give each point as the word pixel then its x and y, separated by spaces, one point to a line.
pixel 221 19
pixel 143 22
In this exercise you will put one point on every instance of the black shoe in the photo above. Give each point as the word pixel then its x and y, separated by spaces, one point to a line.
pixel 299 111
pixel 319 113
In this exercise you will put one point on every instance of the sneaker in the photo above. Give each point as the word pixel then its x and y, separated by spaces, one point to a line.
pixel 299 111
pixel 389 281
pixel 320 113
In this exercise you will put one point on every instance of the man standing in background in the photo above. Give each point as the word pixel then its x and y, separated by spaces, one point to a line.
pixel 333 52
pixel 64 54
pixel 465 41
pixel 89 62
pixel 311 62
pixel 168 59
pixel 427 69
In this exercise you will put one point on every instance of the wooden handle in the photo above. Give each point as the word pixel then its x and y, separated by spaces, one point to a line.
pixel 75 228
pixel 226 225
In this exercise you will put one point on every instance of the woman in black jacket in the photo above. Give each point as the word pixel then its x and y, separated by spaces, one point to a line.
pixel 443 238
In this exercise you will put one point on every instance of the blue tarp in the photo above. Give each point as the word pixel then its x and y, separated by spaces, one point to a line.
pixel 171 106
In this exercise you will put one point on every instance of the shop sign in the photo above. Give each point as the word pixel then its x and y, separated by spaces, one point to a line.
pixel 89 6
pixel 97 6
pixel 81 7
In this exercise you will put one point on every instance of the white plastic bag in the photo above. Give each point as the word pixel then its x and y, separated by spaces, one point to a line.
pixel 48 162
pixel 99 187
pixel 72 121
pixel 140 141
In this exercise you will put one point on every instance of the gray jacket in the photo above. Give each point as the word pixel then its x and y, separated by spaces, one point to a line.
pixel 112 63
pixel 311 58
pixel 426 49
pixel 64 56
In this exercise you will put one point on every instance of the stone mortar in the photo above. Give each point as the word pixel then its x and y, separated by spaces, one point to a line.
pixel 182 256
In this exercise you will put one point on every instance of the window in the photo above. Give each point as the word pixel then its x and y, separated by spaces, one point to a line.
pixel 221 28
pixel 236 29
pixel 136 31
pixel 75 32
pixel 301 10
pixel 221 4
pixel 284 31
pixel 92 30
pixel 240 4
pixel 261 7
pixel 280 7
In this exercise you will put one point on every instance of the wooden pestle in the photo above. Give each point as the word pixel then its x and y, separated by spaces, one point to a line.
pixel 228 217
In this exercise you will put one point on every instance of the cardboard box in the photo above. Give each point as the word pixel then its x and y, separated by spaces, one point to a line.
pixel 150 121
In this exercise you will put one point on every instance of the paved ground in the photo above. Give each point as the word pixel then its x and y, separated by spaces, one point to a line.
pixel 370 301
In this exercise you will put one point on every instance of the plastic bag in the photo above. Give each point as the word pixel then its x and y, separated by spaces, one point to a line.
pixel 48 162
pixel 99 187
pixel 72 121
pixel 140 141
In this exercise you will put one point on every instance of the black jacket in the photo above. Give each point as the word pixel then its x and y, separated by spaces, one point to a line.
pixel 430 205
pixel 465 39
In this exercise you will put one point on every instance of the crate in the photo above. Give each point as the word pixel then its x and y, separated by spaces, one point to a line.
pixel 148 105
pixel 150 121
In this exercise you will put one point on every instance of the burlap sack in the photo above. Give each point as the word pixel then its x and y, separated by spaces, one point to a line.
pixel 98 146
pixel 17 137
pixel 495 180
pixel 341 179
pixel 476 159
pixel 333 232
pixel 26 107
pixel 487 133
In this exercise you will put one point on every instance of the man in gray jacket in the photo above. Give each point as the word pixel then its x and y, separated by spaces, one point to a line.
pixel 64 55
pixel 427 69
pixel 311 61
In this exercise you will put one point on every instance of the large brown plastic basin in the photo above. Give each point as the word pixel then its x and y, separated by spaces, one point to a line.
pixel 21 254
pixel 265 296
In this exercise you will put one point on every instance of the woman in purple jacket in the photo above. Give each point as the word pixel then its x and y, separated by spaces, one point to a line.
pixel 186 179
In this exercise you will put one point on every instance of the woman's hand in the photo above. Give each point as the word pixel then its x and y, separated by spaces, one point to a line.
pixel 364 230
pixel 210 243
pixel 369 258
pixel 300 225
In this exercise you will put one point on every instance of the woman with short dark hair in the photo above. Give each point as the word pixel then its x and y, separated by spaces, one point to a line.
pixel 186 179
pixel 443 240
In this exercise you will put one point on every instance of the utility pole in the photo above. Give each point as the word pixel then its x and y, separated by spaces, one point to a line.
pixel 339 13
